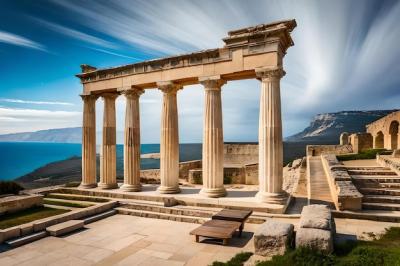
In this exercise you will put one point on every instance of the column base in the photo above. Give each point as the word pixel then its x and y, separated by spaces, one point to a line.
pixel 168 190
pixel 87 186
pixel 272 198
pixel 131 188
pixel 213 192
pixel 107 186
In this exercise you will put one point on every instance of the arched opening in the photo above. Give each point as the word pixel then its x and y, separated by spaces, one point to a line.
pixel 394 131
pixel 379 141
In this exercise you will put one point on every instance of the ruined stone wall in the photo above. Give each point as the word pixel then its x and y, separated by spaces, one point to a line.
pixel 19 202
pixel 184 168
pixel 240 153
pixel 383 125
pixel 317 150
pixel 361 142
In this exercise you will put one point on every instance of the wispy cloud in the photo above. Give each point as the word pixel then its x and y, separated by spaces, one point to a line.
pixel 113 53
pixel 75 34
pixel 14 39
pixel 22 120
pixel 34 102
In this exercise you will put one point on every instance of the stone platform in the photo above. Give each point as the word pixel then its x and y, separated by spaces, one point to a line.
pixel 239 198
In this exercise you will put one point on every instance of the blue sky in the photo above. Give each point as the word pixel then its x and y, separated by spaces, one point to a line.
pixel 345 58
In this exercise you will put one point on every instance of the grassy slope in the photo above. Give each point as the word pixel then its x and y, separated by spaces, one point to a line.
pixel 26 216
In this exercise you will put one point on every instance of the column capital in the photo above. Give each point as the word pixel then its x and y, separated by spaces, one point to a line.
pixel 87 97
pixel 270 72
pixel 109 95
pixel 133 92
pixel 212 82
pixel 169 86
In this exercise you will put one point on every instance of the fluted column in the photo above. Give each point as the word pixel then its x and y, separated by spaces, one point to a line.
pixel 169 149
pixel 132 141
pixel 213 141
pixel 89 142
pixel 108 166
pixel 270 166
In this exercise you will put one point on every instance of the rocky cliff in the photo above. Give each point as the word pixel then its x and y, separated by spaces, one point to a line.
pixel 328 126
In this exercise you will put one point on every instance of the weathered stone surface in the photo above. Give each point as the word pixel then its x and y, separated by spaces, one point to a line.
pixel 316 216
pixel 19 202
pixel 316 239
pixel 396 154
pixel 273 238
pixel 170 202
pixel 64 228
pixel 316 150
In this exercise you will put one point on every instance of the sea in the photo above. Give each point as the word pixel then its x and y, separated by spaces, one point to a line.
pixel 20 158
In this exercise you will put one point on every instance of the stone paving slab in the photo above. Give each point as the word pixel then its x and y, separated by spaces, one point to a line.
pixel 130 240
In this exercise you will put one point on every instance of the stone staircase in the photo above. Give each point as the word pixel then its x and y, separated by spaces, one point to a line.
pixel 379 185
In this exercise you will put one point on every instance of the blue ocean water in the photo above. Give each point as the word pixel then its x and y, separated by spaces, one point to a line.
pixel 20 158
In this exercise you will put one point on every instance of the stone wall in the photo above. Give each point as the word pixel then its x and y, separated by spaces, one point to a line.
pixel 19 202
pixel 251 174
pixel 317 150
pixel 361 142
pixel 345 195
pixel 240 153
pixel 184 168
pixel 388 161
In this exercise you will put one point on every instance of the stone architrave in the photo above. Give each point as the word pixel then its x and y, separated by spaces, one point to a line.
pixel 132 141
pixel 270 151
pixel 89 142
pixel 108 166
pixel 213 140
pixel 169 143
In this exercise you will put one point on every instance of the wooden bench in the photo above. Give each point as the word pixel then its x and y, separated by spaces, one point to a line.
pixel 65 227
pixel 233 215
pixel 218 229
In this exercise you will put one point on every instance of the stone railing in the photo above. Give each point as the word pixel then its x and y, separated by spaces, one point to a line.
pixel 317 150
pixel 345 194
pixel 387 161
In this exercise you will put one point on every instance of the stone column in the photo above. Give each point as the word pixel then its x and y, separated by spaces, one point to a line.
pixel 169 143
pixel 213 140
pixel 89 142
pixel 108 167
pixel 270 161
pixel 132 141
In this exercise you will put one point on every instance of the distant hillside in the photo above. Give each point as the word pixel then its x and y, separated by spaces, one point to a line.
pixel 61 135
pixel 66 135
pixel 329 126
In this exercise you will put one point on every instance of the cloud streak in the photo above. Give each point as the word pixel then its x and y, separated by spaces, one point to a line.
pixel 34 102
pixel 14 39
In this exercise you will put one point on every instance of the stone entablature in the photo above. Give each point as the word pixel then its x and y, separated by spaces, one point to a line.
pixel 245 50
pixel 254 52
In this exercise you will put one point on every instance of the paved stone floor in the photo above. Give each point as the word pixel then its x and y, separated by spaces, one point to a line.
pixel 130 240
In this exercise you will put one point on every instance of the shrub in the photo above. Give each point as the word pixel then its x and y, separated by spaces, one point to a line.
pixel 238 260
pixel 10 187
pixel 364 155
pixel 73 184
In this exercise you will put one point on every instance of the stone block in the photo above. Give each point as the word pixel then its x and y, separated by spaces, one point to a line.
pixel 11 232
pixel 316 239
pixel 316 216
pixel 26 229
pixel 64 228
pixel 273 238
pixel 170 202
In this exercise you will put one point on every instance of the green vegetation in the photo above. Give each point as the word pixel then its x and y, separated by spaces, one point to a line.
pixel 368 154
pixel 227 179
pixel 10 187
pixel 238 260
pixel 28 215
pixel 66 203
pixel 76 197
pixel 383 251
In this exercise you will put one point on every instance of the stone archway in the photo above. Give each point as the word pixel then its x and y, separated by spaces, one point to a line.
pixel 379 140
pixel 394 132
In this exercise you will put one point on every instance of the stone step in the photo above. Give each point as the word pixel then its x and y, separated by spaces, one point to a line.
pixel 379 191
pixel 370 172
pixel 17 242
pixel 164 216
pixel 390 185
pixel 176 210
pixel 378 179
pixel 373 215
pixel 381 199
pixel 76 197
pixel 65 227
pixel 381 206
pixel 99 216
pixel 367 168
